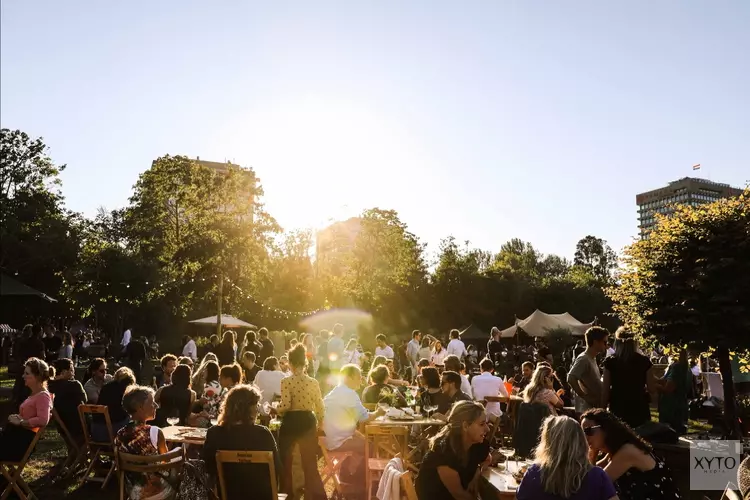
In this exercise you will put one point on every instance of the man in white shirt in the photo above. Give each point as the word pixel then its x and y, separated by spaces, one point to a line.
pixel 456 347
pixel 453 364
pixel 125 339
pixel 382 348
pixel 412 349
pixel 190 350
pixel 487 384
pixel 343 412
pixel 336 348
pixel 268 380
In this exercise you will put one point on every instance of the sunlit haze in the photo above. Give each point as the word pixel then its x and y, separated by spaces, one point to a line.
pixel 484 120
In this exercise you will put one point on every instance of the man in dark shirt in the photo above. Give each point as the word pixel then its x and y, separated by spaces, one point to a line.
pixel 266 349
pixel 450 384
pixel 249 367
pixel 135 355
pixel 527 370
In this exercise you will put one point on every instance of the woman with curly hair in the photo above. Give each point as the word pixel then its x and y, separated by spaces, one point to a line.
pixel 237 431
pixel 628 459
pixel 561 469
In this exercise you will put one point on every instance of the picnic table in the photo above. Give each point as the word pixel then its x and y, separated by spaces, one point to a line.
pixel 180 434
pixel 417 421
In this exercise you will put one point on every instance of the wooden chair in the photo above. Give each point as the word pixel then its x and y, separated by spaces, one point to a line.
pixel 493 421
pixel 95 450
pixel 127 462
pixel 74 448
pixel 382 443
pixel 247 457
pixel 332 468
pixel 407 486
pixel 12 471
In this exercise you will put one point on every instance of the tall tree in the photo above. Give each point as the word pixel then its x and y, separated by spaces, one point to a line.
pixel 688 281
pixel 594 254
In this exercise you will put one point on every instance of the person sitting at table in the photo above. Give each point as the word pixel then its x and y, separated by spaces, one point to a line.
pixel 68 394
pixel 456 456
pixel 176 399
pixel 450 384
pixel 140 438
pixel 432 394
pixel 168 363
pixel 561 469
pixel 301 409
pixel 628 459
pixel 199 374
pixel 344 411
pixel 392 380
pixel 111 397
pixel 523 379
pixel 379 390
pixel 33 413
pixel 486 385
pixel 237 430
pixel 268 380
pixel 97 376
pixel 540 389
pixel 453 364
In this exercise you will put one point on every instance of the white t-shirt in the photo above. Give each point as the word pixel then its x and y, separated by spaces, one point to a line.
pixel 343 412
pixel 456 348
pixel 438 358
pixel 269 383
pixel 424 353
pixel 485 385
pixel 386 351
pixel 351 357
pixel 190 350
pixel 125 338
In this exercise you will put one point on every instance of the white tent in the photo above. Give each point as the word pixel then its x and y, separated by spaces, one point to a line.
pixel 226 320
pixel 538 323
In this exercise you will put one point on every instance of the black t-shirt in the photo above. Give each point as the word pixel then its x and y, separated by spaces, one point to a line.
pixel 429 485
pixel 53 344
pixel 225 353
pixel 251 373
pixel 68 395
pixel 111 397
pixel 439 399
pixel 494 347
pixel 266 351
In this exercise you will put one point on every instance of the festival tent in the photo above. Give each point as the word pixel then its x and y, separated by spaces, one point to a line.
pixel 539 323
pixel 226 320
pixel 10 286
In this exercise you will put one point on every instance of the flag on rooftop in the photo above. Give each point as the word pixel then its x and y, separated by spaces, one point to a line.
pixel 697 166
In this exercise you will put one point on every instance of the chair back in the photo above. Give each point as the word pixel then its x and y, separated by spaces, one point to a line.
pixel 407 486
pixel 245 457
pixel 127 462
pixel 37 436
pixel 528 427
pixel 87 412
pixel 64 431
pixel 386 441
pixel 494 423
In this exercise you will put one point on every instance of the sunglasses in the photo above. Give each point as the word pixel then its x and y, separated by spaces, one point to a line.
pixel 589 431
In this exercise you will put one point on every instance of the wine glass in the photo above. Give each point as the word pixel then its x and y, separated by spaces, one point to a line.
pixel 214 421
pixel 383 405
pixel 173 421
pixel 429 409
pixel 508 453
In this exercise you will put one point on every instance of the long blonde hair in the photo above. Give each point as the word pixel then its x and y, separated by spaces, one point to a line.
pixel 463 412
pixel 562 456
pixel 537 384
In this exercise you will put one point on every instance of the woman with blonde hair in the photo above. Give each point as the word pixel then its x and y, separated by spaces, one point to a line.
pixel 561 468
pixel 456 455
pixel 199 375
pixel 540 389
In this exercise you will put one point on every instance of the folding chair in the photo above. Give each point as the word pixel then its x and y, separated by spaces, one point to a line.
pixel 382 443
pixel 127 462
pixel 730 493
pixel 247 457
pixel 494 423
pixel 12 471
pixel 407 486
pixel 95 450
pixel 332 469
pixel 74 449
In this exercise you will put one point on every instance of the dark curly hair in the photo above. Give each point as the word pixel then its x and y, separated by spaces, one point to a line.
pixel 616 432
pixel 298 356
pixel 239 406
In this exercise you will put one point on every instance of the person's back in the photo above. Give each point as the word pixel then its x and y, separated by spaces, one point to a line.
pixel 628 397
pixel 266 350
pixel 595 486
pixel 225 354
pixel 174 401
pixel 241 479
pixel 68 394
pixel 111 397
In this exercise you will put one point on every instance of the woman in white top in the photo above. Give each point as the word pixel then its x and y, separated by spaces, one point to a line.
pixel 438 354
pixel 424 350
pixel 351 355
pixel 268 380
pixel 66 351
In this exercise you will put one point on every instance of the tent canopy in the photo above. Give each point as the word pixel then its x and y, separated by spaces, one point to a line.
pixel 11 286
pixel 226 320
pixel 538 323
pixel 473 332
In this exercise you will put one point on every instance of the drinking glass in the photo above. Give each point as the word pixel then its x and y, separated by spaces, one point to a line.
pixel 429 409
pixel 173 421
pixel 508 453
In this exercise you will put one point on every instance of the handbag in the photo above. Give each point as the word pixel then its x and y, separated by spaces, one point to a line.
pixel 194 481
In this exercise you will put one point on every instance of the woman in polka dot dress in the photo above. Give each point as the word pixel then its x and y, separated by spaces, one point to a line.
pixel 301 410
pixel 629 460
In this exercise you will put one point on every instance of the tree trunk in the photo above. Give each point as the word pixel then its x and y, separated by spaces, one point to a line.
pixel 730 401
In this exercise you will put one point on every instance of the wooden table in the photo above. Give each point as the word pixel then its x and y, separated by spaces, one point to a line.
pixel 420 421
pixel 500 484
pixel 180 434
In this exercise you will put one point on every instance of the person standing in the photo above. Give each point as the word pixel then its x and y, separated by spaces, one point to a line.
pixel 383 349
pixel 584 376
pixel 135 355
pixel 456 346
pixel 190 350
pixel 126 335
pixel 226 350
pixel 486 384
pixel 494 347
pixel 266 346
pixel 336 348
pixel 412 350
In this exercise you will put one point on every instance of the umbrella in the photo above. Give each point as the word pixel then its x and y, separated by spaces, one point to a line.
pixel 10 286
pixel 351 319
pixel 226 320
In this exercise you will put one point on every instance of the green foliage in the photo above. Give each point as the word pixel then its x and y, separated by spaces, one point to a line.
pixel 559 339
pixel 595 255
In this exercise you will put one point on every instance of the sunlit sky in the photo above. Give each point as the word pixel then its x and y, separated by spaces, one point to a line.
pixel 484 120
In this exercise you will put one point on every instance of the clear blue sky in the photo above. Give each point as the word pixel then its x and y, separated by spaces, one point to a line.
pixel 485 120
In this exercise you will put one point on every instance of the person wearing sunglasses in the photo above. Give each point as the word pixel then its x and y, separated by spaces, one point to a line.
pixel 98 376
pixel 628 460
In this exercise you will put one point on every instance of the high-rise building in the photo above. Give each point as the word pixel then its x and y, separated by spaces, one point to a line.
pixel 223 168
pixel 686 191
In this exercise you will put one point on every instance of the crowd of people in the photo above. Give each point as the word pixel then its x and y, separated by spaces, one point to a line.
pixel 329 383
